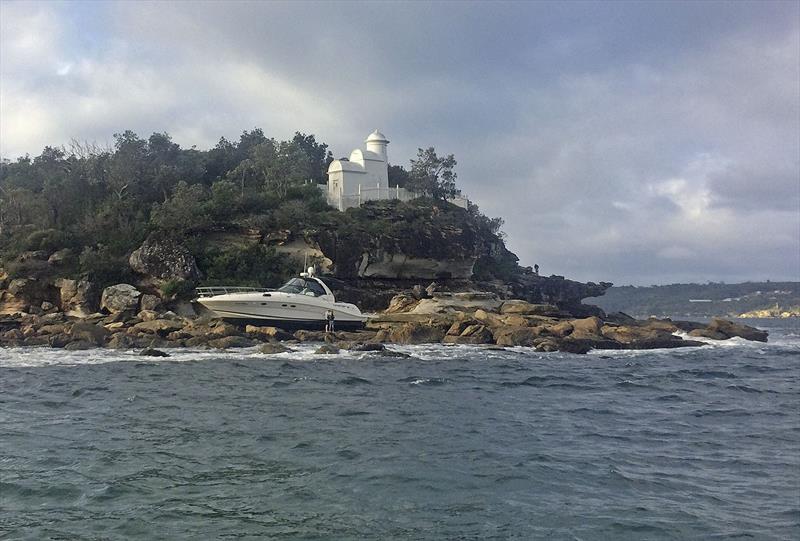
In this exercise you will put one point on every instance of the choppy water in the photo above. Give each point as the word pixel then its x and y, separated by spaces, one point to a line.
pixel 456 442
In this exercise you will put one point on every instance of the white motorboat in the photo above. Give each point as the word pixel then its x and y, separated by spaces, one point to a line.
pixel 302 302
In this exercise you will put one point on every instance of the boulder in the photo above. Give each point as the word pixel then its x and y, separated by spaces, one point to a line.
pixel 121 341
pixel 586 328
pixel 150 352
pixel 147 315
pixel 161 327
pixel 402 303
pixel 60 257
pixel 55 328
pixel 732 330
pixel 231 342
pixel 415 333
pixel 580 347
pixel 327 349
pixel 273 348
pixel 89 332
pixel 516 306
pixel 59 340
pixel 708 333
pixel 78 298
pixel 267 333
pixel 310 336
pixel 520 336
pixel 560 329
pixel 369 346
pixel 150 302
pixel 546 344
pixel 164 259
pixel 120 298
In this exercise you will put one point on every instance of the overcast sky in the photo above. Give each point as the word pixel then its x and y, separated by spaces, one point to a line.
pixel 635 143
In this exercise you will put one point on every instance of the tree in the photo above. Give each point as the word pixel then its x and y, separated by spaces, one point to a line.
pixel 398 176
pixel 433 176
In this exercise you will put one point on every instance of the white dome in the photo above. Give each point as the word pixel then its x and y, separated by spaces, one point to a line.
pixel 376 137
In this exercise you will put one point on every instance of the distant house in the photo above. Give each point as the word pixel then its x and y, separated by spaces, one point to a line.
pixel 364 176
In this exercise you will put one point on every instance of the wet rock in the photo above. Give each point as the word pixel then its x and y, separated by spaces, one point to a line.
pixel 267 333
pixel 83 331
pixel 579 347
pixel 546 345
pixel 395 354
pixel 36 341
pixel 55 328
pixel 369 346
pixel 522 336
pixel 416 333
pixel 327 349
pixel 273 348
pixel 732 330
pixel 231 342
pixel 196 341
pixel 79 345
pixel 47 306
pixel 150 352
pixel 708 333
pixel 663 342
pixel 121 341
pixel 120 298
pixel 59 340
pixel 161 327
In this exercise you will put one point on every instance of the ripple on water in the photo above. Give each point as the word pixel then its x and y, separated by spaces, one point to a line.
pixel 456 443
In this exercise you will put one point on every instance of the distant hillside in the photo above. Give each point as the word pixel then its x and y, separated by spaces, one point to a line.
pixel 701 300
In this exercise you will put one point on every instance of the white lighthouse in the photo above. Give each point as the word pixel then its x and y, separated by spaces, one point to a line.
pixel 364 176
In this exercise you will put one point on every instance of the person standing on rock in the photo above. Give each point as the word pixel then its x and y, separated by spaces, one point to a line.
pixel 329 318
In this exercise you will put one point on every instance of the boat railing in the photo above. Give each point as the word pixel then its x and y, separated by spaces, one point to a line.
pixel 211 291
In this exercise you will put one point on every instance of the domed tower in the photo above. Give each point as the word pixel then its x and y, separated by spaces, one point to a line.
pixel 376 142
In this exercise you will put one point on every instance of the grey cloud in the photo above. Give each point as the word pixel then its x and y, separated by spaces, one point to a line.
pixel 620 141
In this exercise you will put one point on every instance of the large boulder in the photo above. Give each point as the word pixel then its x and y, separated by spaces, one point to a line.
pixel 267 333
pixel 78 297
pixel 161 327
pixel 84 331
pixel 120 298
pixel 164 260
pixel 520 336
pixel 731 330
pixel 415 333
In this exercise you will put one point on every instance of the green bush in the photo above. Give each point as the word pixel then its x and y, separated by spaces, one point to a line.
pixel 256 266
pixel 177 289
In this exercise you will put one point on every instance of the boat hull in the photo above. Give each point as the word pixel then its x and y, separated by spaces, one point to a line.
pixel 286 311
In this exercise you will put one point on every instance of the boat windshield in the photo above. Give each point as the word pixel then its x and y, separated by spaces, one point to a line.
pixel 303 287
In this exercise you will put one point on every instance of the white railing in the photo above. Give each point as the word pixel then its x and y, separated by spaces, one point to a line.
pixel 364 194
pixel 211 291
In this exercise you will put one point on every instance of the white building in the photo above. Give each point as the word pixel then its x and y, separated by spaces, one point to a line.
pixel 365 177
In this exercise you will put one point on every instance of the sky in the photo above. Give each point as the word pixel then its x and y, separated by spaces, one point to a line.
pixel 636 143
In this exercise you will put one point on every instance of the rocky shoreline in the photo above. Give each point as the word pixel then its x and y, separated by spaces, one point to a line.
pixel 128 319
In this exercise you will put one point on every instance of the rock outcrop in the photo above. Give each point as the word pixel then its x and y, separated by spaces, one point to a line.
pixel 120 298
pixel 164 260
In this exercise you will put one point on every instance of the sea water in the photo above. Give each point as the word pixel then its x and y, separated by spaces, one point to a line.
pixel 450 443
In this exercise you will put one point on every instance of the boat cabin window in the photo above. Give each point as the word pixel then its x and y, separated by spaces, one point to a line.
pixel 303 287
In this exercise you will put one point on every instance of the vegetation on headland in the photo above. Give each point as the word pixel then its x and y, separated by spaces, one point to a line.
pixel 96 205
pixel 748 299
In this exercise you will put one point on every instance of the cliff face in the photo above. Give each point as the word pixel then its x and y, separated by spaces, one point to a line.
pixel 391 240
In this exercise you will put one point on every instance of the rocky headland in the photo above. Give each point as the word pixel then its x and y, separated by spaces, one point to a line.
pixel 74 314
